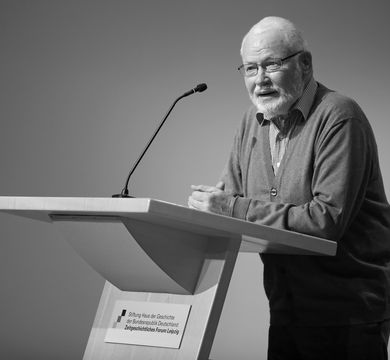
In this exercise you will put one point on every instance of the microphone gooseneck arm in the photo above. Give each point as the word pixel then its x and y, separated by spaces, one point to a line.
pixel 125 191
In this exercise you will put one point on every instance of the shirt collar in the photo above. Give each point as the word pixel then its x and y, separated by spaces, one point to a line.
pixel 303 104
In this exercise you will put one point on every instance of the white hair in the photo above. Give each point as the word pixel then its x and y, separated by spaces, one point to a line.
pixel 293 37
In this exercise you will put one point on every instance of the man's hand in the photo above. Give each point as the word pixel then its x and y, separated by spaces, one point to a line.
pixel 210 198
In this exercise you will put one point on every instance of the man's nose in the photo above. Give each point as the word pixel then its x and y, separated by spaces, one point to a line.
pixel 261 77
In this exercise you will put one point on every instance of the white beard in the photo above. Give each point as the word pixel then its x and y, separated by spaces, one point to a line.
pixel 282 104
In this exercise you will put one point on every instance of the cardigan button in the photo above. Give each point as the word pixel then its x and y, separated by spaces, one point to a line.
pixel 274 192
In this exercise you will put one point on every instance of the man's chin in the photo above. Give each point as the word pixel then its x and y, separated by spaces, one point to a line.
pixel 274 108
pixel 271 111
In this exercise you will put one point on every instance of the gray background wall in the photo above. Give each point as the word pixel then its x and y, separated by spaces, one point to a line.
pixel 83 85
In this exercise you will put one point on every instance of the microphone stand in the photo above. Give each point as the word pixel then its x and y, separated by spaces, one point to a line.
pixel 125 191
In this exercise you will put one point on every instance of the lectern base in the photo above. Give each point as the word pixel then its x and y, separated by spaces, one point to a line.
pixel 206 306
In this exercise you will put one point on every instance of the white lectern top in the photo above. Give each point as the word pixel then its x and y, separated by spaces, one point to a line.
pixel 255 237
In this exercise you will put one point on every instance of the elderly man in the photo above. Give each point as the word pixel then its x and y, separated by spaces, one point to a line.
pixel 305 159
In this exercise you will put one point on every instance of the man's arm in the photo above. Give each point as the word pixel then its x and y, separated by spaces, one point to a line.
pixel 341 173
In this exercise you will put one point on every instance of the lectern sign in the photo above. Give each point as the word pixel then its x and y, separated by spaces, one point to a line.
pixel 148 323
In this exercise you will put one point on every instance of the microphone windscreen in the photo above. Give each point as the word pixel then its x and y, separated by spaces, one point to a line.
pixel 200 88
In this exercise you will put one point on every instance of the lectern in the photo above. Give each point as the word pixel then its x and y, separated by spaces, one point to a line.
pixel 167 268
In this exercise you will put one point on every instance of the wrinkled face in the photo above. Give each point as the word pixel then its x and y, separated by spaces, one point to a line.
pixel 273 93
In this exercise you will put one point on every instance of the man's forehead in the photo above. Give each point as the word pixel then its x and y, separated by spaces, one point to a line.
pixel 265 39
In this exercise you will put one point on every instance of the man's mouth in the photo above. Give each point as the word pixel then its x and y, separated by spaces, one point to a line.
pixel 264 93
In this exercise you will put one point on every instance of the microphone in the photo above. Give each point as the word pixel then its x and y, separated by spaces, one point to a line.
pixel 198 88
pixel 125 191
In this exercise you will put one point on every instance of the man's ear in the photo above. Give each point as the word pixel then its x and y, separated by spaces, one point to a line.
pixel 306 62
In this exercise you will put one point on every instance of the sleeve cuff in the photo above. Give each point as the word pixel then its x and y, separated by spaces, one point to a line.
pixel 239 207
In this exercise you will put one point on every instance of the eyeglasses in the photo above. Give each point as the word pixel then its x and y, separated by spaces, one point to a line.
pixel 271 65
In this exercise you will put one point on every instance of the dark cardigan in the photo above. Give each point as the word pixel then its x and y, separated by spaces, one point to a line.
pixel 328 185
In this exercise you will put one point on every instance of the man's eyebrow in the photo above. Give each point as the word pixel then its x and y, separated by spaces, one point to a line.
pixel 267 58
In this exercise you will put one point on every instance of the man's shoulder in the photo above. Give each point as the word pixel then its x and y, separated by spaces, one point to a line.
pixel 250 113
pixel 334 101
pixel 251 118
pixel 249 125
pixel 334 104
